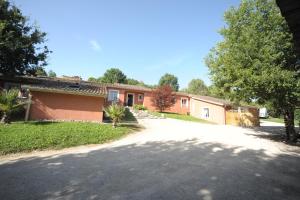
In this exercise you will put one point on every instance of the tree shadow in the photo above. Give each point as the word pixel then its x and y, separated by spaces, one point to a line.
pixel 155 170
pixel 274 133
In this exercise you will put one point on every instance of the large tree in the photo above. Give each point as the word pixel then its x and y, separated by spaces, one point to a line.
pixel 169 79
pixel 256 60
pixel 113 75
pixel 21 43
pixel 197 86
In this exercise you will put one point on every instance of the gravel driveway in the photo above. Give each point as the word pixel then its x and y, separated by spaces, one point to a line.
pixel 170 159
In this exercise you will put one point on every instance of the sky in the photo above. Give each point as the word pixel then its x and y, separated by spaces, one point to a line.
pixel 143 38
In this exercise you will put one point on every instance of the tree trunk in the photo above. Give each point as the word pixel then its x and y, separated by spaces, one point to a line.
pixel 114 123
pixel 4 119
pixel 291 133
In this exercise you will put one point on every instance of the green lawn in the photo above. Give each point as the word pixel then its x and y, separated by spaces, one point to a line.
pixel 20 136
pixel 278 120
pixel 181 117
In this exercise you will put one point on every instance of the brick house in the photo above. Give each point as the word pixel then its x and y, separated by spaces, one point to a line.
pixel 74 99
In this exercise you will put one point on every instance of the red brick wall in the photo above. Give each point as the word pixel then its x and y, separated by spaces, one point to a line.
pixel 176 108
pixel 55 106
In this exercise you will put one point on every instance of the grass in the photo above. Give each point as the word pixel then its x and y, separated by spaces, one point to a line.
pixel 277 120
pixel 181 117
pixel 29 136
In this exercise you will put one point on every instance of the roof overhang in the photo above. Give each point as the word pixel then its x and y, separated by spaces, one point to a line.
pixel 290 10
pixel 48 90
pixel 211 102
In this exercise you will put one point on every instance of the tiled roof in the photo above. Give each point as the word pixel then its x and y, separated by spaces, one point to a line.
pixel 61 85
pixel 212 100
pixel 128 87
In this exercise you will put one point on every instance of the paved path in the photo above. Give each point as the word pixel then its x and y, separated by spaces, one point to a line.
pixel 170 159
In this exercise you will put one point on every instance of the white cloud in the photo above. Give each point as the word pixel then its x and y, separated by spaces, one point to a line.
pixel 95 45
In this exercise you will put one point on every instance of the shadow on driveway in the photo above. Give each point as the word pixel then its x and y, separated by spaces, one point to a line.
pixel 155 170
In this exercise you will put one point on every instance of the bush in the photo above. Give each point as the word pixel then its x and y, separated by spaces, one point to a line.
pixel 139 107
pixel 116 113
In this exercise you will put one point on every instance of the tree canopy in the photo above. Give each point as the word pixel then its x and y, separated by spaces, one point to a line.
pixel 197 86
pixel 256 60
pixel 21 44
pixel 51 73
pixel 169 79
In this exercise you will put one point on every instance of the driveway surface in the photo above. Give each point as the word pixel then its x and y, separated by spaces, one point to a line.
pixel 170 159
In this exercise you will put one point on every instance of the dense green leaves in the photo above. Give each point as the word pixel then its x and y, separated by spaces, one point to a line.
pixel 9 103
pixel 115 112
pixel 169 79
pixel 21 44
pixel 256 60
pixel 197 86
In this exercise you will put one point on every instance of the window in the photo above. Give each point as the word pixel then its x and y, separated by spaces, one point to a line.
pixel 113 95
pixel 184 102
pixel 140 97
pixel 205 113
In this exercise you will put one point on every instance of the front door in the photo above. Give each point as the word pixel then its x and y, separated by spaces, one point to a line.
pixel 130 100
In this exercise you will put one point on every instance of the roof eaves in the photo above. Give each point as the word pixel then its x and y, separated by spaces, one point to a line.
pixel 62 91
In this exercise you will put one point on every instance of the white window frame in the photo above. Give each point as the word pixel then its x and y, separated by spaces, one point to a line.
pixel 203 116
pixel 114 100
pixel 140 95
pixel 187 102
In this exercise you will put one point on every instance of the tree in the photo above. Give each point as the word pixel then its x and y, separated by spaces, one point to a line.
pixel 116 113
pixel 51 74
pixel 256 60
pixel 21 44
pixel 40 71
pixel 9 103
pixel 163 97
pixel 198 87
pixel 131 81
pixel 113 75
pixel 169 79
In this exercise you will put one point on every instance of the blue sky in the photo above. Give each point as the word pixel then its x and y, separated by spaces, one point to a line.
pixel 144 38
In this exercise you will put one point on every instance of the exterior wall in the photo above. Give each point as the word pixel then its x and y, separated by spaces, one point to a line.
pixel 176 108
pixel 55 106
pixel 123 96
pixel 216 112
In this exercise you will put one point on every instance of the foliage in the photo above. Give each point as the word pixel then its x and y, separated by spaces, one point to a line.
pixel 163 97
pixel 9 103
pixel 113 75
pixel 31 136
pixel 256 60
pixel 40 71
pixel 128 117
pixel 169 79
pixel 139 107
pixel 131 81
pixel 92 79
pixel 21 46
pixel 52 74
pixel 197 87
pixel 116 113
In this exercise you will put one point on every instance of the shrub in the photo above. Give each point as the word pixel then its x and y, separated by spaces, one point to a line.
pixel 116 113
pixel 163 98
pixel 139 107
pixel 9 104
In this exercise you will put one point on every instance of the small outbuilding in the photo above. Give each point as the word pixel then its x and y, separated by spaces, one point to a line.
pixel 221 111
